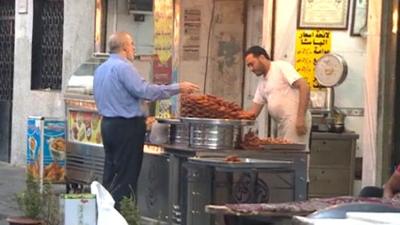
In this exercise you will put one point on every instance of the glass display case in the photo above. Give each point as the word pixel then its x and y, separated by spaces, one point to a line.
pixel 84 155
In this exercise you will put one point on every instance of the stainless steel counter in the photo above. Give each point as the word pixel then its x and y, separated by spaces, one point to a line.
pixel 153 188
pixel 192 185
pixel 242 163
pixel 331 135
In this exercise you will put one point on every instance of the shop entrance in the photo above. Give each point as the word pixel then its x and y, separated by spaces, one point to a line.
pixel 7 31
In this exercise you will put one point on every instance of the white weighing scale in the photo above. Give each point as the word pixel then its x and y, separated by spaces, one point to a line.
pixel 331 71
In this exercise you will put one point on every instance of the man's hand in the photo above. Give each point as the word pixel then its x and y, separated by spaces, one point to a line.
pixel 387 192
pixel 187 87
pixel 300 126
pixel 392 186
pixel 245 115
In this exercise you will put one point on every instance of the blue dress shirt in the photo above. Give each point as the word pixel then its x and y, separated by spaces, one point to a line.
pixel 119 89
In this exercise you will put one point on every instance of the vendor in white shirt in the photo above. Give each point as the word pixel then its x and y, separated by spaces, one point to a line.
pixel 284 91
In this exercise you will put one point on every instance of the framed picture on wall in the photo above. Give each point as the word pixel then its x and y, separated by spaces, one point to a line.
pixel 359 17
pixel 323 14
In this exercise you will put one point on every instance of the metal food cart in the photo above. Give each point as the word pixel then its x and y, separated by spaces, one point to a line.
pixel 180 163
pixel 85 154
pixel 196 179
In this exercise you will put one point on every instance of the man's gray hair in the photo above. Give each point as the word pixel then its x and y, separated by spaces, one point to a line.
pixel 117 41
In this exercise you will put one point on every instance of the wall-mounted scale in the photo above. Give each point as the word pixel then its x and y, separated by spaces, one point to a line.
pixel 330 71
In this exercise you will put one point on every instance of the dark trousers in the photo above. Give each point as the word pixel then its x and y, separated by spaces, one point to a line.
pixel 123 141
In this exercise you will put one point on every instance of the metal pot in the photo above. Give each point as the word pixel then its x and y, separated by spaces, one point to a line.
pixel 214 133
pixel 179 134
pixel 178 131
pixel 213 136
pixel 337 127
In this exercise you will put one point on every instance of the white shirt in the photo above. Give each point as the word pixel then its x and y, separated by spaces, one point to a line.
pixel 276 90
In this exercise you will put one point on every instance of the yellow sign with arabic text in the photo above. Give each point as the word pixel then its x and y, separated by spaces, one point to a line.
pixel 310 46
pixel 163 28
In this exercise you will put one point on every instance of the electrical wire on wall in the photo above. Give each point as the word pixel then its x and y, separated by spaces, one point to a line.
pixel 210 28
pixel 269 127
pixel 115 24
pixel 244 16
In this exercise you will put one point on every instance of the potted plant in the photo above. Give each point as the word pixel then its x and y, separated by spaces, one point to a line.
pixel 39 207
pixel 29 202
pixel 50 214
pixel 129 210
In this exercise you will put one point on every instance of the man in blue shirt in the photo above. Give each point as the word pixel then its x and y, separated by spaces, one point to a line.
pixel 118 91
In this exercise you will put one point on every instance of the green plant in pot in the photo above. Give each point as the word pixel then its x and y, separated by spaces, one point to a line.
pixel 129 210
pixel 38 207
pixel 29 202
pixel 50 214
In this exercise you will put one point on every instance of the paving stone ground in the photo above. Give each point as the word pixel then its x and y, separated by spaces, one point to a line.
pixel 12 180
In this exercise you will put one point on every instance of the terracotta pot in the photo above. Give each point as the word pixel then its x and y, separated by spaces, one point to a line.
pixel 19 220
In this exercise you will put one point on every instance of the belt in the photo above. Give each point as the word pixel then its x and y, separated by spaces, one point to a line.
pixel 124 118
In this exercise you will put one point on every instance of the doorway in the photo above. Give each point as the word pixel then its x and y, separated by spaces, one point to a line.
pixel 7 31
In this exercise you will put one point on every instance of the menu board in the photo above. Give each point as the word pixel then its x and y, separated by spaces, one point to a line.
pixel 84 127
pixel 191 34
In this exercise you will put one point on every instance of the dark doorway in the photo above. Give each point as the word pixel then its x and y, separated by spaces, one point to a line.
pixel 7 31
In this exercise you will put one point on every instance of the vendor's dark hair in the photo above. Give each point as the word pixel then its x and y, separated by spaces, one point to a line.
pixel 256 51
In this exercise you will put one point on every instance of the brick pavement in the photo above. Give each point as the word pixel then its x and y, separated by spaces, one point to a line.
pixel 12 180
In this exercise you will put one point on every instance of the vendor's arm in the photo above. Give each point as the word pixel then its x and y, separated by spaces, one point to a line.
pixel 304 96
pixel 255 109
pixel 392 186
pixel 258 102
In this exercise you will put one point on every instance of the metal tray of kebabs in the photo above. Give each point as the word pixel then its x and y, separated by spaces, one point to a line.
pixel 241 162
pixel 294 147
pixel 169 120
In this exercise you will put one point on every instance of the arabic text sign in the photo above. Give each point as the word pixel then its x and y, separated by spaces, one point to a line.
pixel 310 46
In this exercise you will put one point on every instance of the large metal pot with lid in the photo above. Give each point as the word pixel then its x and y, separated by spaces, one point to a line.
pixel 214 133
pixel 178 131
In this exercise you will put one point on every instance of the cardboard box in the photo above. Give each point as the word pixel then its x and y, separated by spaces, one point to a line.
pixel 79 209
